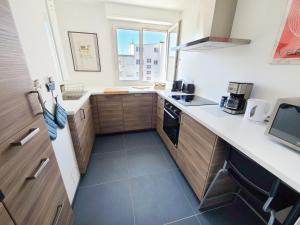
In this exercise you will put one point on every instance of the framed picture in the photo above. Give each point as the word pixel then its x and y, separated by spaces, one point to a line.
pixel 85 51
pixel 287 47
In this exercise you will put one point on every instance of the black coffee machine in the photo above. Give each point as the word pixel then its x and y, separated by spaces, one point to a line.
pixel 177 85
pixel 239 94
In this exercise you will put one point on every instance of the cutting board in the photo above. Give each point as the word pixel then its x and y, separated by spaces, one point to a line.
pixel 116 91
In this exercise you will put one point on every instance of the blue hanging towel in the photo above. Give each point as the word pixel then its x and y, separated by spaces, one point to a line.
pixel 60 115
pixel 50 123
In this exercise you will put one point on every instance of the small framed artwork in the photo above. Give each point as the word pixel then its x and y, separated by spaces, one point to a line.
pixel 85 51
pixel 287 47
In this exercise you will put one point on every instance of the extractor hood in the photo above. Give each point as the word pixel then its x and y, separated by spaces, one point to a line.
pixel 216 28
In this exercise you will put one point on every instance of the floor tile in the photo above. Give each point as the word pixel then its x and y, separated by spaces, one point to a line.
pixel 168 156
pixel 158 140
pixel 188 221
pixel 109 143
pixel 106 167
pixel 187 190
pixel 107 204
pixel 139 139
pixel 234 214
pixel 146 160
pixel 157 199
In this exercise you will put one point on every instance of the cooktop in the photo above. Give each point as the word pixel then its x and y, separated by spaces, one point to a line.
pixel 192 100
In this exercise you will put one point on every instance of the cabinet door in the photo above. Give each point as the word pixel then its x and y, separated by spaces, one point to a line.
pixel 15 82
pixel 4 216
pixel 110 111
pixel 137 111
pixel 195 149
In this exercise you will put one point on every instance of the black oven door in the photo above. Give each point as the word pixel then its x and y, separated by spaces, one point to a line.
pixel 171 125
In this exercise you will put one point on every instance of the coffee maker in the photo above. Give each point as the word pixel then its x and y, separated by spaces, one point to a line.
pixel 239 94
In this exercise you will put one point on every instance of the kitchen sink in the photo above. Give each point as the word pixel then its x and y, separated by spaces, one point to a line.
pixel 72 96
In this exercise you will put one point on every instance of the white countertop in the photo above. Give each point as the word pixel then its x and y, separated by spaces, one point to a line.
pixel 246 136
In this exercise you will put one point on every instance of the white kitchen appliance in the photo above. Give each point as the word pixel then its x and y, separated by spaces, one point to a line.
pixel 257 110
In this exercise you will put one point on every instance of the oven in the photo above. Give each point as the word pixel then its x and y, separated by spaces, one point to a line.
pixel 171 122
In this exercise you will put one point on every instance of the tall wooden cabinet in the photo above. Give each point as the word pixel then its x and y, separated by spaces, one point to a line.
pixel 30 179
pixel 83 134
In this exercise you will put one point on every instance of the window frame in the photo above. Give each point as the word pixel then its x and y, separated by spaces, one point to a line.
pixel 140 28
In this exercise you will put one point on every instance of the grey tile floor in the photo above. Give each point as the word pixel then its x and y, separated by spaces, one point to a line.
pixel 133 180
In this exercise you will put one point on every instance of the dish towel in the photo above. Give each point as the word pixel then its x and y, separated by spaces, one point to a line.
pixel 60 115
pixel 50 123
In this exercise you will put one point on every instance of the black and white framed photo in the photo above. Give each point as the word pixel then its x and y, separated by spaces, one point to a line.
pixel 85 51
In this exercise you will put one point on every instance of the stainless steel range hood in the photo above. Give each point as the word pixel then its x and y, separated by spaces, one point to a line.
pixel 221 20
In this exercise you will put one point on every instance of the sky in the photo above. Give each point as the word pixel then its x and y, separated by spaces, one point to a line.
pixel 125 37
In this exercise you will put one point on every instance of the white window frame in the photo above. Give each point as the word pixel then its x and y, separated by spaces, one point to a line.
pixel 141 28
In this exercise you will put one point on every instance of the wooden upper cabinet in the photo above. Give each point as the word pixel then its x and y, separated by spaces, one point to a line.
pixel 4 216
pixel 15 82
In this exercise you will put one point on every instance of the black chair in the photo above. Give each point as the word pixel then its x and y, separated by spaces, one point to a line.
pixel 254 182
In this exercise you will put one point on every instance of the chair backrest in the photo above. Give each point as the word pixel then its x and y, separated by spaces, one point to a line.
pixel 251 175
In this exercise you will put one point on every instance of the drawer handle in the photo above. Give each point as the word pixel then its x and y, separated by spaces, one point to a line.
pixel 42 166
pixel 58 214
pixel 28 137
pixel 83 112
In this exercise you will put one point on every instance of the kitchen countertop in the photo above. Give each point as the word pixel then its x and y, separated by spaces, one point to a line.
pixel 246 136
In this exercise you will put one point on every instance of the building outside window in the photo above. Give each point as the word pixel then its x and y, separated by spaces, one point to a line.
pixel 130 49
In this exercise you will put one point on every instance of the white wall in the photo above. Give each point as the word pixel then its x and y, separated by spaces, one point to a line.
pixel 258 20
pixel 98 18
pixel 33 27
pixel 87 18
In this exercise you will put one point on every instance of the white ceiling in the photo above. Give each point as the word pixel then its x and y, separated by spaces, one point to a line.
pixel 163 4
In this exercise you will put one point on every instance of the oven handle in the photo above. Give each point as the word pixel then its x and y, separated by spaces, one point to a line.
pixel 173 117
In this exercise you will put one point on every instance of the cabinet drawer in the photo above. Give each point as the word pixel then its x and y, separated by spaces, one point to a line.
pixel 42 185
pixel 160 101
pixel 17 160
pixel 4 216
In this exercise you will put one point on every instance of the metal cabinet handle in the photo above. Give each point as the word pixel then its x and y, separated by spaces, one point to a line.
pixel 58 214
pixel 28 137
pixel 42 166
pixel 170 114
pixel 83 112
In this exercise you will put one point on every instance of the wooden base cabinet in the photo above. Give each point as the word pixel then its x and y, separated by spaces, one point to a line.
pixel 123 112
pixel 200 155
pixel 83 134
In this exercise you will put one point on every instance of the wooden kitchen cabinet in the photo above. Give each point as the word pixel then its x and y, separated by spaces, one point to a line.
pixel 5 219
pixel 83 134
pixel 201 153
pixel 30 179
pixel 137 109
pixel 126 112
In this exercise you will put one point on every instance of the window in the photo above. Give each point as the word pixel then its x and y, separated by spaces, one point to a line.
pixel 132 44
pixel 154 46
pixel 127 42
